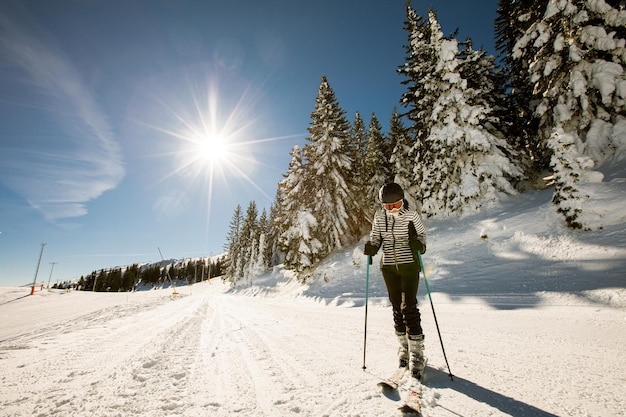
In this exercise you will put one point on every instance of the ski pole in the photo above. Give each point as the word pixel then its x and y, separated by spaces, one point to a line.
pixel 435 316
pixel 367 282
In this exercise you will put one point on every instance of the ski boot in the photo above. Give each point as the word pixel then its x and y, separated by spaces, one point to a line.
pixel 417 360
pixel 403 350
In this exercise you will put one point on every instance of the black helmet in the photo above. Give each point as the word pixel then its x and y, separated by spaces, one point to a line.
pixel 390 193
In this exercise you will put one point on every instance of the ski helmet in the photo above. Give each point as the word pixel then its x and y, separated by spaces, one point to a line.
pixel 390 193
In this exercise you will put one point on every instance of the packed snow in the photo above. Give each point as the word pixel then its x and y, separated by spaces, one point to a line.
pixel 532 317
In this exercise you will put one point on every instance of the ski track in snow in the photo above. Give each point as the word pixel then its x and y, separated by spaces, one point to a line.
pixel 185 356
pixel 221 354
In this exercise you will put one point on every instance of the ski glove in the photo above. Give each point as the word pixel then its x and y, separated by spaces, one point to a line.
pixel 370 249
pixel 415 244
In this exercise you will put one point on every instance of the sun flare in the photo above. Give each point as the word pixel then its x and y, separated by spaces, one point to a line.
pixel 212 148
pixel 210 139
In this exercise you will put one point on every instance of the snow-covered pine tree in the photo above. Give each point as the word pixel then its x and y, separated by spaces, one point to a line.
pixel 258 255
pixel 233 229
pixel 377 165
pixel 304 249
pixel 248 240
pixel 463 164
pixel 231 245
pixel 568 166
pixel 265 230
pixel 402 160
pixel 479 70
pixel 576 51
pixel 518 121
pixel 259 265
pixel 275 229
pixel 329 167
pixel 250 272
pixel 295 222
pixel 421 93
pixel 355 145
pixel 486 86
pixel 292 186
pixel 358 185
pixel 358 147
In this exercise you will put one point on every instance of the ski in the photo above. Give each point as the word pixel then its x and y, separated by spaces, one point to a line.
pixel 394 380
pixel 412 402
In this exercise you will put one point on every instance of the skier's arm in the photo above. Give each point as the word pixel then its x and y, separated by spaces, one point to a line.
pixel 372 246
pixel 417 234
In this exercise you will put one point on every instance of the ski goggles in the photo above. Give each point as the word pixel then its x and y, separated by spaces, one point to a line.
pixel 392 206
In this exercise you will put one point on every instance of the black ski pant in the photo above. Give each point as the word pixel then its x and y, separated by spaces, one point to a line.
pixel 402 281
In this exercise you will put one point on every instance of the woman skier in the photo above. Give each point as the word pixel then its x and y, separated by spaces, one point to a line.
pixel 401 233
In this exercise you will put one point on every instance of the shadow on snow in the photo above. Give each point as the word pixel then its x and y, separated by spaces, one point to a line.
pixel 439 379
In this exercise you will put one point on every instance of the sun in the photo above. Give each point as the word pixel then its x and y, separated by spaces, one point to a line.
pixel 211 137
pixel 212 148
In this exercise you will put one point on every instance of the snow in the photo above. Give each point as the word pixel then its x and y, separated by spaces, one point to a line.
pixel 532 317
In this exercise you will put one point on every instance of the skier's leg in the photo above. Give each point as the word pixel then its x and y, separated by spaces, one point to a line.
pixel 412 317
pixel 410 311
pixel 394 290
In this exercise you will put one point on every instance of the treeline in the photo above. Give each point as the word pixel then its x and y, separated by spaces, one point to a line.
pixel 471 128
pixel 130 277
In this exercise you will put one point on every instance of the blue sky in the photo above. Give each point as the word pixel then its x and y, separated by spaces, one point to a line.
pixel 106 107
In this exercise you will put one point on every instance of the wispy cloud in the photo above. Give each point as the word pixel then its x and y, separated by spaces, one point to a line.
pixel 64 153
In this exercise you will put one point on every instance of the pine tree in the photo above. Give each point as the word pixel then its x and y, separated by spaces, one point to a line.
pixel 296 242
pixel 232 244
pixel 354 145
pixel 360 214
pixel 249 268
pixel 463 161
pixel 576 50
pixel 419 98
pixel 130 277
pixel 248 240
pixel 402 160
pixel 275 229
pixel 115 280
pixel 377 165
pixel 304 249
pixel 359 140
pixel 101 281
pixel 518 120
pixel 568 167
pixel 329 167
pixel 265 230
pixel 233 229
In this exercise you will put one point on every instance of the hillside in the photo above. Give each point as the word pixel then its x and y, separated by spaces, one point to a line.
pixel 531 316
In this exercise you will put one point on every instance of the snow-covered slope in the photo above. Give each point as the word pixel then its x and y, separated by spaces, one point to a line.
pixel 532 316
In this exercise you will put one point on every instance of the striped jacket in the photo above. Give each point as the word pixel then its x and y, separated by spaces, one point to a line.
pixel 393 233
